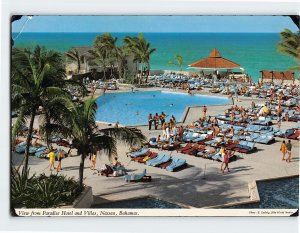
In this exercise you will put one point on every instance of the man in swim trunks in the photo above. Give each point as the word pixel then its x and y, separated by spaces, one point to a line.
pixel 156 119
pixel 150 120
pixel 162 118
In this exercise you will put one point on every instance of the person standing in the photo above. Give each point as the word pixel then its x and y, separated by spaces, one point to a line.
pixel 226 160
pixel 60 156
pixel 163 127
pixel 173 121
pixel 180 133
pixel 156 119
pixel 279 122
pixel 51 159
pixel 150 120
pixel 93 161
pixel 168 131
pixel 283 149
pixel 204 110
pixel 289 151
pixel 162 118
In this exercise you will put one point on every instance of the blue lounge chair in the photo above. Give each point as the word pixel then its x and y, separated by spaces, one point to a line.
pixel 40 151
pixel 266 121
pixel 209 156
pixel 138 153
pixel 158 160
pixel 176 163
pixel 264 139
pixel 20 148
pixel 152 142
pixel 252 128
pixel 252 137
pixel 137 177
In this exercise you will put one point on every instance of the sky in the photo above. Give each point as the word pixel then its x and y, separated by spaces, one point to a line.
pixel 154 24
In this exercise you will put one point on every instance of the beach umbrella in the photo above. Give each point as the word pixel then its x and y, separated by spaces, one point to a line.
pixel 214 62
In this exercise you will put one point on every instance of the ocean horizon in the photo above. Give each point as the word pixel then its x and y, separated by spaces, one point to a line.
pixel 253 51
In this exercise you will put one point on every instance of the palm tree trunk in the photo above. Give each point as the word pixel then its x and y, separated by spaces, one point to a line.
pixel 78 66
pixel 28 140
pixel 81 168
pixel 46 130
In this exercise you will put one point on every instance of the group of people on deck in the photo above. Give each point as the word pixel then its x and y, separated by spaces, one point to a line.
pixel 160 118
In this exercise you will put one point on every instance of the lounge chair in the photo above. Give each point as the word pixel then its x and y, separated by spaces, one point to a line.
pixel 106 171
pixel 252 137
pixel 245 147
pixel 176 164
pixel 200 138
pixel 198 149
pixel 164 165
pixel 171 146
pixel 141 152
pixel 143 159
pixel 20 148
pixel 294 118
pixel 194 147
pixel 137 158
pixel 158 160
pixel 265 139
pixel 263 121
pixel 138 177
pixel 295 135
pixel 186 147
pixel 209 156
pixel 40 151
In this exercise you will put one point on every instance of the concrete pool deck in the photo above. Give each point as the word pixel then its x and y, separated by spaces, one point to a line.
pixel 201 185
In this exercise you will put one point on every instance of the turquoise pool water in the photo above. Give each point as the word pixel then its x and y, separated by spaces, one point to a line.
pixel 141 203
pixel 133 108
pixel 276 194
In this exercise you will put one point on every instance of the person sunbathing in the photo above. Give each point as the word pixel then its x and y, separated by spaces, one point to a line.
pixel 241 133
pixel 219 141
pixel 232 117
pixel 210 151
pixel 286 116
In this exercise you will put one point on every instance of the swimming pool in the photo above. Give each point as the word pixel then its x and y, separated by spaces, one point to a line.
pixel 133 108
pixel 276 194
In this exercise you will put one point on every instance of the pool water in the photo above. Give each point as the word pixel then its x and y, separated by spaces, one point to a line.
pixel 133 108
pixel 276 194
pixel 141 203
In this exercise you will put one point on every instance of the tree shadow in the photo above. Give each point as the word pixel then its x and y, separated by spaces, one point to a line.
pixel 194 189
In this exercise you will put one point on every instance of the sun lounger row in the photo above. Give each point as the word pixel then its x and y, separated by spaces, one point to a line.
pixel 159 160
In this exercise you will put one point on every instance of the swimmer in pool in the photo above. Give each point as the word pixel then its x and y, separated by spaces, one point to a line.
pixel 171 105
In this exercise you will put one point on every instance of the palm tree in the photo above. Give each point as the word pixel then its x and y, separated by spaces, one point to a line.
pixel 178 61
pixel 37 79
pixel 121 56
pixel 141 50
pixel 290 45
pixel 104 51
pixel 75 56
pixel 80 125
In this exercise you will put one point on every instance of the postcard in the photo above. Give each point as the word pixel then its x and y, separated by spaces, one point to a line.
pixel 154 115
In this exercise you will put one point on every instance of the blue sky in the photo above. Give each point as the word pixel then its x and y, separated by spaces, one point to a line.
pixel 154 24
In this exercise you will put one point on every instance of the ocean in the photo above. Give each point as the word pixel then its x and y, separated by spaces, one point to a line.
pixel 253 51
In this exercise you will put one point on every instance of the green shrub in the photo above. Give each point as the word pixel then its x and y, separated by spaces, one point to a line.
pixel 42 191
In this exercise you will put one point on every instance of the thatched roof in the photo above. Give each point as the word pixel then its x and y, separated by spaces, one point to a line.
pixel 214 61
